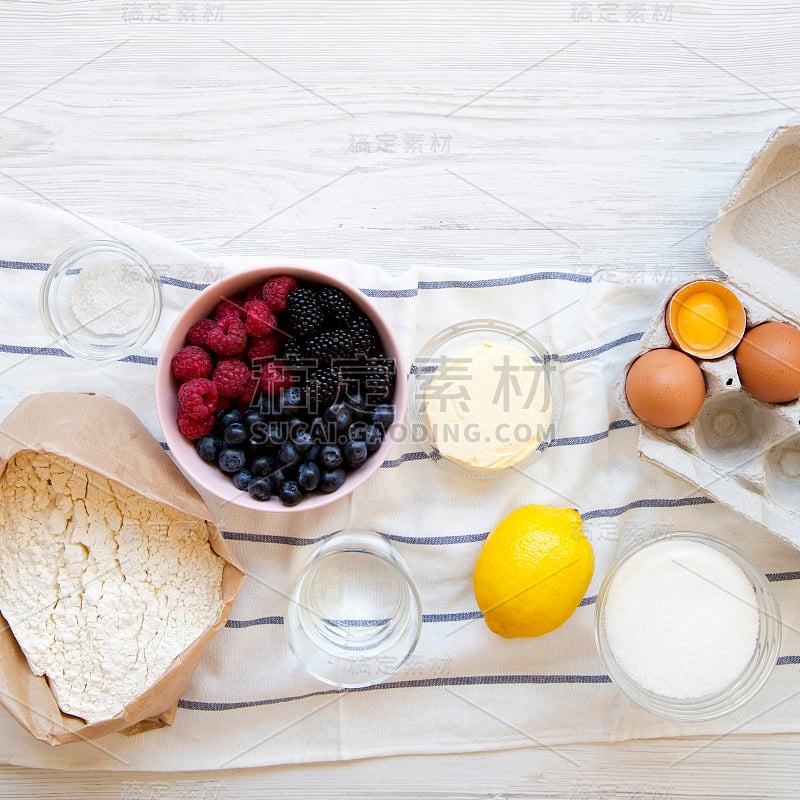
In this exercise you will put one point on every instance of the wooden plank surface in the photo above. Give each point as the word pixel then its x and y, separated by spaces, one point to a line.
pixel 477 134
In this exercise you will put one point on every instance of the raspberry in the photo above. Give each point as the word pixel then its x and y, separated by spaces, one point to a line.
pixel 198 398
pixel 198 333
pixel 231 377
pixel 194 428
pixel 228 308
pixel 191 362
pixel 260 318
pixel 251 394
pixel 254 293
pixel 229 337
pixel 264 347
pixel 275 291
pixel 275 376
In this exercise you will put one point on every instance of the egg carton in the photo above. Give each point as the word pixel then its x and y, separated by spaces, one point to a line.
pixel 741 451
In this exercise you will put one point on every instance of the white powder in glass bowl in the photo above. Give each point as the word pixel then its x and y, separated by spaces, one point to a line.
pixel 681 619
pixel 110 298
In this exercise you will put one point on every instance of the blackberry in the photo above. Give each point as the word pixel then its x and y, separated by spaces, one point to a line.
pixel 305 315
pixel 336 305
pixel 379 378
pixel 292 353
pixel 364 335
pixel 321 389
pixel 329 345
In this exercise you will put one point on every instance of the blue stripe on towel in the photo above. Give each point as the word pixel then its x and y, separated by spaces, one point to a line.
pixel 478 283
pixel 481 283
pixel 448 539
pixel 26 265
pixel 460 680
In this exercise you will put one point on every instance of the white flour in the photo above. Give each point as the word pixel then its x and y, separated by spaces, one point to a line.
pixel 110 298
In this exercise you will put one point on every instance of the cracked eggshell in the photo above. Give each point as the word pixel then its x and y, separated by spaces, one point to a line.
pixel 739 450
pixel 79 427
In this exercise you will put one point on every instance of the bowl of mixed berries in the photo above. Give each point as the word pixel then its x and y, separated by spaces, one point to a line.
pixel 279 389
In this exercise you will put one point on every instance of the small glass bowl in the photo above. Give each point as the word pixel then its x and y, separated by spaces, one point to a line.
pixel 96 333
pixel 445 345
pixel 751 679
pixel 354 615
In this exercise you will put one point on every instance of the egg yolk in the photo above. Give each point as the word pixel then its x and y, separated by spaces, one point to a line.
pixel 702 321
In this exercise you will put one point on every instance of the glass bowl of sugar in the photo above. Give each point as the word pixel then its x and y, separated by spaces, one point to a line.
pixel 687 626
pixel 100 300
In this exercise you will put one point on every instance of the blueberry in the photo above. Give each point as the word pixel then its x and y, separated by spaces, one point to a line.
pixel 312 456
pixel 262 466
pixel 318 430
pixel 308 476
pixel 259 489
pixel 383 416
pixel 356 431
pixel 252 417
pixel 373 438
pixel 228 416
pixel 207 448
pixel 288 455
pixel 291 494
pixel 241 480
pixel 338 415
pixel 355 400
pixel 330 456
pixel 355 453
pixel 270 407
pixel 302 441
pixel 291 401
pixel 234 434
pixel 331 480
pixel 276 479
pixel 276 433
pixel 231 460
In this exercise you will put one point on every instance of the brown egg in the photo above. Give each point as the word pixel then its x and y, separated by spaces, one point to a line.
pixel 665 388
pixel 768 361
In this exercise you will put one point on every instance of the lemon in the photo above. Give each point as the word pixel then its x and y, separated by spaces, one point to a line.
pixel 532 571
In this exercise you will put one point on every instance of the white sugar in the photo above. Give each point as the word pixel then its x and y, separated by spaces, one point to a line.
pixel 681 619
pixel 110 298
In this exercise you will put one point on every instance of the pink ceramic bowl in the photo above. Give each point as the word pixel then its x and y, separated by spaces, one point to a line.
pixel 207 476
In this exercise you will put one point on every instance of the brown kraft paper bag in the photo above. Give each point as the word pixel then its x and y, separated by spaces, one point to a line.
pixel 79 427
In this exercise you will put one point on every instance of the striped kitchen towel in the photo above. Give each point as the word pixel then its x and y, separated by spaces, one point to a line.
pixel 464 689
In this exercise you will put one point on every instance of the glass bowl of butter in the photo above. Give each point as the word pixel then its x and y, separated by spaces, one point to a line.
pixel 486 396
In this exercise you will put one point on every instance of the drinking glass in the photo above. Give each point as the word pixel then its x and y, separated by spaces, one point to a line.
pixel 354 614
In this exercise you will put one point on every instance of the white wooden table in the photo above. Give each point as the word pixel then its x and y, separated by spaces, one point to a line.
pixel 480 134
